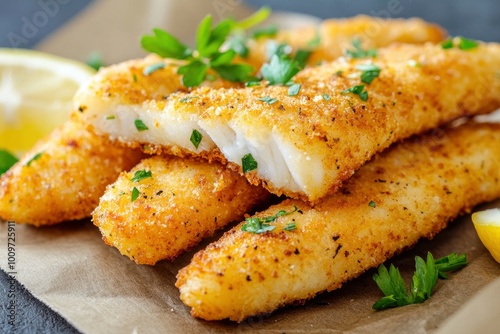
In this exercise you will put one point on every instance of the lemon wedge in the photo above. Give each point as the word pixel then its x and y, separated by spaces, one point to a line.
pixel 36 90
pixel 487 224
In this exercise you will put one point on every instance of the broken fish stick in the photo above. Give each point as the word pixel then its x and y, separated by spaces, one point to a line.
pixel 411 191
pixel 335 123
pixel 166 205
pixel 62 177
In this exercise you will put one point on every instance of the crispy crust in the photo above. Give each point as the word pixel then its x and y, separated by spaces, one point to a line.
pixel 66 181
pixel 416 187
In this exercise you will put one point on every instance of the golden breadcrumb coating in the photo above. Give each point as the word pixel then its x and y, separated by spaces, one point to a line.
pixel 408 192
pixel 62 177
pixel 334 36
pixel 182 202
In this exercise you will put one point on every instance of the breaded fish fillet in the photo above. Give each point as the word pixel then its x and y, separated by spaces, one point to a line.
pixel 306 145
pixel 178 204
pixel 62 177
pixel 332 37
pixel 410 191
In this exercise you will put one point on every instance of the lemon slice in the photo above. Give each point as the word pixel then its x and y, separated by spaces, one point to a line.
pixel 36 90
pixel 487 224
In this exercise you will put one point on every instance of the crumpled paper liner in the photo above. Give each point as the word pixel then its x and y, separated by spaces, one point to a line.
pixel 97 290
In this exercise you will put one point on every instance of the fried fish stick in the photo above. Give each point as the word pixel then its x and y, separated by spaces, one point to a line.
pixel 62 177
pixel 332 126
pixel 410 191
pixel 332 37
pixel 177 204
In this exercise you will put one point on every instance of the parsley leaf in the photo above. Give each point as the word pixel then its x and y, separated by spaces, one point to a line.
pixel 467 44
pixel 357 90
pixel 269 31
pixel 256 225
pixel 193 73
pixel 423 281
pixel 294 89
pixel 140 126
pixel 368 72
pixel 196 138
pixel 165 45
pixel 359 52
pixel 290 227
pixel 268 99
pixel 260 225
pixel 134 195
pixel 141 175
pixel 248 163
pixel 7 160
pixel 279 70
pixel 34 158
pixel 372 204
pixel 460 42
pixel 235 72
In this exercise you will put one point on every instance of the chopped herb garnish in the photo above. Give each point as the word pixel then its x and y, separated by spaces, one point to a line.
pixel 357 90
pixel 152 68
pixel 359 52
pixel 424 279
pixel 252 83
pixel 257 226
pixel 467 44
pixel 460 42
pixel 196 138
pixel 7 160
pixel 261 225
pixel 248 163
pixel 269 31
pixel 290 227
pixel 339 73
pixel 209 53
pixel 268 99
pixel 141 175
pixel 279 70
pixel 237 43
pixel 326 97
pixel 187 99
pixel 110 117
pixel 135 194
pixel 140 126
pixel 35 157
pixel 134 77
pixel 372 204
pixel 294 89
pixel 301 57
pixel 368 72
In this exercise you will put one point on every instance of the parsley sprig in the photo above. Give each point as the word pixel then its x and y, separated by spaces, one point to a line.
pixel 259 225
pixel 423 281
pixel 209 57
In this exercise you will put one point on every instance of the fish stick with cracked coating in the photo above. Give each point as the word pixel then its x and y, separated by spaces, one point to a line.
pixel 332 126
pixel 408 192
pixel 125 87
pixel 334 36
pixel 62 177
pixel 178 203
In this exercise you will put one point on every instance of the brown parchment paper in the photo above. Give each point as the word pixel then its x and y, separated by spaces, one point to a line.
pixel 98 290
